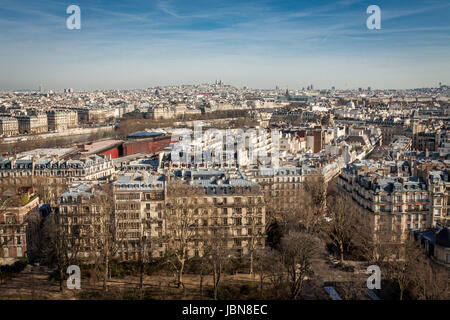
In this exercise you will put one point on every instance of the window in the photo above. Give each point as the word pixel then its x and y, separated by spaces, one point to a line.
pixel 5 252
pixel 19 252
pixel 447 258
pixel 10 219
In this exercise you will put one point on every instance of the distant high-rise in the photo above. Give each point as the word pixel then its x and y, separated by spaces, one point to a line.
pixel 41 88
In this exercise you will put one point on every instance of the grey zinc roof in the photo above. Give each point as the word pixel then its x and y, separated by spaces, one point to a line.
pixel 140 180
pixel 84 190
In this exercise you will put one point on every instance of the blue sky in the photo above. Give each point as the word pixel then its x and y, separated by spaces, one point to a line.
pixel 261 44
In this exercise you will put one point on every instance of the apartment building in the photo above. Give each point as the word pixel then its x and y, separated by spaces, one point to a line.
pixel 9 126
pixel 281 185
pixel 33 124
pixel 60 120
pixel 392 203
pixel 290 142
pixel 139 199
pixel 14 226
pixel 230 202
pixel 426 141
pixel 162 112
pixel 92 167
pixel 95 115
pixel 437 179
pixel 81 221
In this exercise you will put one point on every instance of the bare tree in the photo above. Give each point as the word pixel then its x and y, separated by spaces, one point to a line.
pixel 264 258
pixel 107 237
pixel 275 273
pixel 48 189
pixel 255 227
pixel 417 274
pixel 63 244
pixel 430 281
pixel 217 253
pixel 342 222
pixel 353 289
pixel 181 224
pixel 295 206
pixel 303 213
pixel 316 186
pixel 298 249
pixel 376 244
pixel 34 234
pixel 143 260
pixel 402 270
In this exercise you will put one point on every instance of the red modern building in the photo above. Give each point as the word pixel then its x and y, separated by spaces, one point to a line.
pixel 111 147
pixel 146 142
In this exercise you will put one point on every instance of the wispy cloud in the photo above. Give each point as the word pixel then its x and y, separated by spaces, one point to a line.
pixel 163 32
